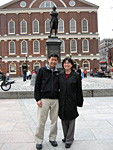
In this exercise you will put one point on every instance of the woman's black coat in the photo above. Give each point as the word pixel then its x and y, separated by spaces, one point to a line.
pixel 70 95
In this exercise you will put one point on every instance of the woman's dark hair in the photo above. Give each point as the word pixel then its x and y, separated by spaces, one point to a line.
pixel 69 60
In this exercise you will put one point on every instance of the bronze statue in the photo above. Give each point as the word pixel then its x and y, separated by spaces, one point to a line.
pixel 54 20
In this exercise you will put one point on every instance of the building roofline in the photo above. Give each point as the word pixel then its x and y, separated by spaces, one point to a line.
pixel 88 3
pixel 14 1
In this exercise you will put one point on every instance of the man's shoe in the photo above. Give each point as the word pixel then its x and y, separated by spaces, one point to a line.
pixel 63 140
pixel 38 146
pixel 53 143
pixel 67 145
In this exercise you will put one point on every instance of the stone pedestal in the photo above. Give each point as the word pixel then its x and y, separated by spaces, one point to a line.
pixel 53 47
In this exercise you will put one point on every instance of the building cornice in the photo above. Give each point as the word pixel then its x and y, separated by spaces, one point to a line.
pixel 42 37
pixel 41 10
pixel 44 58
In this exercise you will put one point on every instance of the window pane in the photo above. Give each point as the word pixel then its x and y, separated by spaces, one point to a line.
pixel 12 68
pixel 73 45
pixel 73 25
pixel 11 27
pixel 85 45
pixel 47 26
pixel 36 46
pixel 24 47
pixel 35 26
pixel 84 25
pixel 62 46
pixel 60 26
pixel 24 27
pixel 12 48
pixel 47 4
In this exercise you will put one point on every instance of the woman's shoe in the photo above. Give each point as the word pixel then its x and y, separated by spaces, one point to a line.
pixel 67 145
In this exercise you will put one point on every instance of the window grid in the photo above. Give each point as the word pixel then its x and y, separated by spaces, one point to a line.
pixel 62 47
pixel 12 47
pixel 73 46
pixel 35 26
pixel 11 27
pixel 24 47
pixel 84 25
pixel 72 25
pixel 47 24
pixel 23 27
pixel 36 46
pixel 85 45
pixel 61 26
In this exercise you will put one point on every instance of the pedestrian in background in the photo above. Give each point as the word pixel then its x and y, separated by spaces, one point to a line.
pixel 85 73
pixel 46 94
pixel 70 97
pixel 79 71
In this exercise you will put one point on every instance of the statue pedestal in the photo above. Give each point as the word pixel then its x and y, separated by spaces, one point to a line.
pixel 53 47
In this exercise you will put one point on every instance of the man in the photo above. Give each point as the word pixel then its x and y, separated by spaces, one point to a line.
pixel 46 94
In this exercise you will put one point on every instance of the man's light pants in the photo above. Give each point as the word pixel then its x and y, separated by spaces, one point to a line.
pixel 42 114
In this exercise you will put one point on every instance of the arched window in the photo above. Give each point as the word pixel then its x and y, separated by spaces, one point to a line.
pixel 35 26
pixel 36 66
pixel 24 47
pixel 73 46
pixel 23 27
pixel 12 47
pixel 60 26
pixel 12 68
pixel 84 25
pixel 11 27
pixel 86 65
pixel 72 25
pixel 85 45
pixel 62 47
pixel 36 46
pixel 47 4
pixel 47 26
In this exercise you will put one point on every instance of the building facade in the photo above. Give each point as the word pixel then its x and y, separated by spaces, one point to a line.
pixel 25 27
pixel 106 57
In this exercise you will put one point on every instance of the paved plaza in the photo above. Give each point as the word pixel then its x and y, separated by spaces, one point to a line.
pixel 87 83
pixel 94 126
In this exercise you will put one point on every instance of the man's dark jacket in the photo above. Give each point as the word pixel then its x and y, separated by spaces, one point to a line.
pixel 70 95
pixel 47 84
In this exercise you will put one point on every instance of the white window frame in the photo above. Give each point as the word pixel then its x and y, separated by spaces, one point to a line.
pixel 26 47
pixel 76 46
pixel 9 27
pixel 83 26
pixel 45 26
pixel 63 46
pixel 33 26
pixel 10 70
pixel 44 2
pixel 71 26
pixel 59 26
pixel 83 45
pixel 21 27
pixel 10 48
pixel 38 46
pixel 87 63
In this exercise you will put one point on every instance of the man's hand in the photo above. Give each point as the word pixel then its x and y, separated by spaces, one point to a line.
pixel 39 103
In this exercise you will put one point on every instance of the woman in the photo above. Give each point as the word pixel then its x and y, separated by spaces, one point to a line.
pixel 70 97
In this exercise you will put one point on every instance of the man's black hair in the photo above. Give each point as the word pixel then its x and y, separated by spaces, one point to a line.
pixel 53 55
pixel 69 60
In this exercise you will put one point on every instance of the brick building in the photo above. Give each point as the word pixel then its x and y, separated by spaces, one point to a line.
pixel 24 29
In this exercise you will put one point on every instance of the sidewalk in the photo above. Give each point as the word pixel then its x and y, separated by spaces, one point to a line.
pixel 94 126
